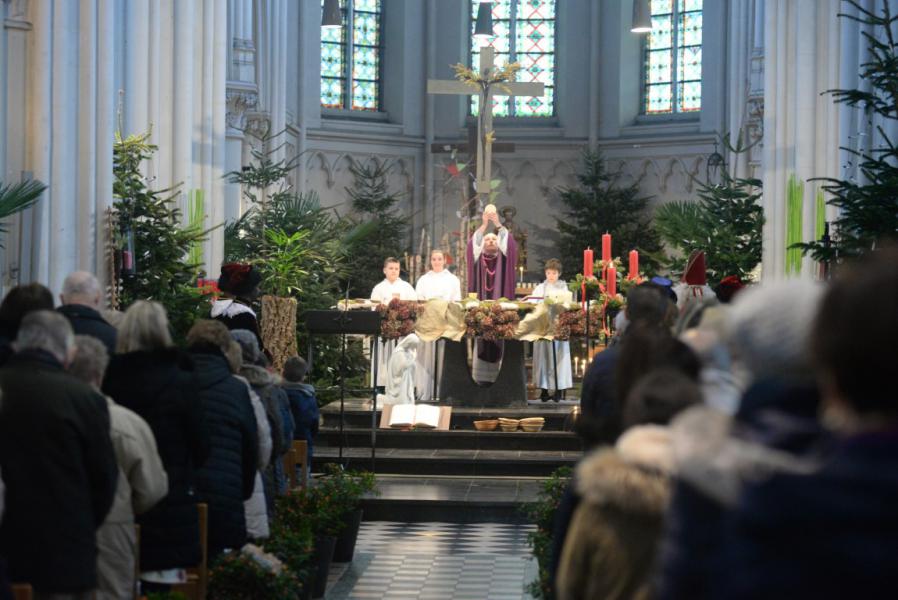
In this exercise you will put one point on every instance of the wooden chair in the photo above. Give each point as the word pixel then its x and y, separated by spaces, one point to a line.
pixel 290 468
pixel 198 577
pixel 301 462
pixel 22 591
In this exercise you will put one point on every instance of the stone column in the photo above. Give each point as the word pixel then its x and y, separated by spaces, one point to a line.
pixel 802 59
pixel 241 96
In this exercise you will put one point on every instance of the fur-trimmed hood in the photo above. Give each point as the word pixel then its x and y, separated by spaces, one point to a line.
pixel 634 475
pixel 259 376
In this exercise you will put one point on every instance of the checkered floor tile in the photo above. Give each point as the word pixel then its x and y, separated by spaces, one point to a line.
pixel 438 560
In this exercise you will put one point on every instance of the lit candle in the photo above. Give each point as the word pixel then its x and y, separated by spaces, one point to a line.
pixel 634 265
pixel 521 277
pixel 606 247
pixel 611 287
pixel 587 262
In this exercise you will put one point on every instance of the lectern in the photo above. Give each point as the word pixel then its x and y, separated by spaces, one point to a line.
pixel 343 322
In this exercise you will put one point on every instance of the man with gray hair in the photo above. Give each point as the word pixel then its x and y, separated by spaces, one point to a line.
pixel 57 461
pixel 82 299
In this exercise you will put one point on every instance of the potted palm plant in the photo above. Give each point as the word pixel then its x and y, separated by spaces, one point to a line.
pixel 282 266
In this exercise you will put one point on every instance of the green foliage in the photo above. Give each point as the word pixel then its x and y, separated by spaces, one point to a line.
pixel 238 576
pixel 868 207
pixel 162 246
pixel 600 204
pixel 373 203
pixel 281 225
pixel 542 514
pixel 282 262
pixel 347 488
pixel 726 221
pixel 294 547
pixel 16 197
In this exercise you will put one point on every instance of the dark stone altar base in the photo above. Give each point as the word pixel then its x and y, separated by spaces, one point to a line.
pixel 458 389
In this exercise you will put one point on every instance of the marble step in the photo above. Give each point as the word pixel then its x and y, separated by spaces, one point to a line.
pixel 451 499
pixel 454 461
pixel 455 438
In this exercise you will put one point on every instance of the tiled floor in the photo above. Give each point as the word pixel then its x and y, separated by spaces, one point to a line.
pixel 438 561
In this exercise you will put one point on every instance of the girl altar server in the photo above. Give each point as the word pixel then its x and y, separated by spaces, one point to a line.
pixel 436 284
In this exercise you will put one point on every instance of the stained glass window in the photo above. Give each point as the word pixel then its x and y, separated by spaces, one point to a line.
pixel 673 58
pixel 524 32
pixel 351 58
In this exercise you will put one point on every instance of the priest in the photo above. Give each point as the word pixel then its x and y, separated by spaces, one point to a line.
pixel 491 259
pixel 491 263
pixel 436 284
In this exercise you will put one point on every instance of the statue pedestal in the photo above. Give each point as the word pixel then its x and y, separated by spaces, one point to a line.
pixel 458 389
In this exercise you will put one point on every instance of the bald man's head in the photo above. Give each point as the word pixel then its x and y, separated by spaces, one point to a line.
pixel 490 244
pixel 82 288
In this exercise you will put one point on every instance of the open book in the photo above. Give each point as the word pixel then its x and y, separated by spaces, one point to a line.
pixel 422 416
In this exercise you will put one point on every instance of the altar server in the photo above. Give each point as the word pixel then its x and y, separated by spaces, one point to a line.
pixel 436 284
pixel 391 287
pixel 544 363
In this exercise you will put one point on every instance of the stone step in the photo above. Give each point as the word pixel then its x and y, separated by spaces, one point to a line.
pixel 455 438
pixel 457 462
pixel 451 499
pixel 357 415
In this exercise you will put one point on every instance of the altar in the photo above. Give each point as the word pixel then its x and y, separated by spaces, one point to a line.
pixel 456 387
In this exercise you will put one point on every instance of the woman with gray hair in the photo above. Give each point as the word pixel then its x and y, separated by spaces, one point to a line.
pixel 152 378
pixel 142 481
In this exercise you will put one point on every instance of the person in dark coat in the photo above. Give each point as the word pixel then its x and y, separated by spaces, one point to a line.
pixel 239 286
pixel 17 303
pixel 57 460
pixel 82 299
pixel 277 409
pixel 155 380
pixel 227 478
pixel 303 403
pixel 831 531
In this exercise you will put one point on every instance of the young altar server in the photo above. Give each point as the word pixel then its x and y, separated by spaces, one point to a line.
pixel 544 363
pixel 391 287
pixel 436 284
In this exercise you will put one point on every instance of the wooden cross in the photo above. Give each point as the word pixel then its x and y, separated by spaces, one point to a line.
pixel 484 94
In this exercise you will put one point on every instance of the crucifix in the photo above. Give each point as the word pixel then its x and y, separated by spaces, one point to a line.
pixel 483 85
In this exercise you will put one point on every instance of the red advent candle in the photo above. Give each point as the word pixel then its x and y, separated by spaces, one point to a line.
pixel 611 286
pixel 634 265
pixel 606 247
pixel 587 262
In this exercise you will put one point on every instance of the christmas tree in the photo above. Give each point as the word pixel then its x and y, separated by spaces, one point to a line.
pixel 726 221
pixel 868 205
pixel 373 203
pixel 601 204
pixel 150 233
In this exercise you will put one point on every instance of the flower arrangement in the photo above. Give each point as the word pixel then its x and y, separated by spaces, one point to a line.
pixel 498 77
pixel 490 321
pixel 238 575
pixel 572 323
pixel 398 318
pixel 347 487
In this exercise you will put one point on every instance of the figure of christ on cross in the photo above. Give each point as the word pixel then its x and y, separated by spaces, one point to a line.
pixel 485 89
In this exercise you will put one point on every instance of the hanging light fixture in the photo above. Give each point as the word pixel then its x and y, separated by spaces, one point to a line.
pixel 714 167
pixel 330 14
pixel 642 17
pixel 484 24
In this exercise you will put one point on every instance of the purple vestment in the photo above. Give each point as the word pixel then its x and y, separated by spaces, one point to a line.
pixel 493 277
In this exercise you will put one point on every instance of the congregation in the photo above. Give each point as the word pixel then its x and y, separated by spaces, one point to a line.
pixel 105 423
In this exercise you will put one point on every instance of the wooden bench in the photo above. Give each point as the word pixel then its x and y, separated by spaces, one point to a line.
pixel 296 465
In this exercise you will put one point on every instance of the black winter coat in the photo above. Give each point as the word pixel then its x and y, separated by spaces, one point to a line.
pixel 60 473
pixel 227 477
pixel 87 321
pixel 160 386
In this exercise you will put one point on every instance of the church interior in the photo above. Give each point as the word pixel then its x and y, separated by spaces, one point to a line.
pixel 537 299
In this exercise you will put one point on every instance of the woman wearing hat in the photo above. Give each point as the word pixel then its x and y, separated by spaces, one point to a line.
pixel 239 286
